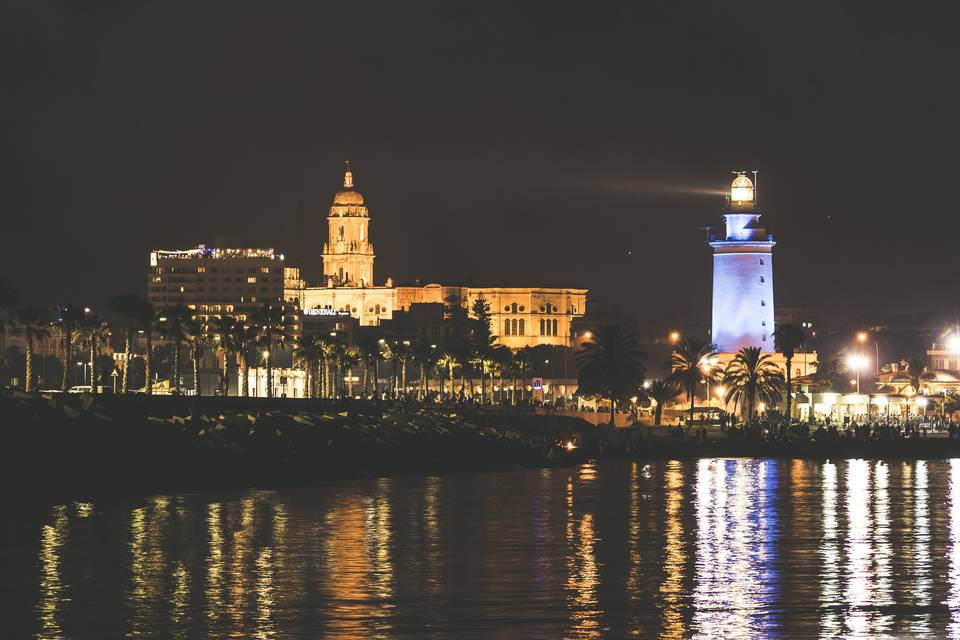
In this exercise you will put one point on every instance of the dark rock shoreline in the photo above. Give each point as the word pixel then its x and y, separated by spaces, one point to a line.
pixel 75 446
pixel 67 445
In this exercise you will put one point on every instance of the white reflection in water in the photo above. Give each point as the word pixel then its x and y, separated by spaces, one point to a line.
pixel 953 598
pixel 921 550
pixel 733 580
pixel 829 552
pixel 882 549
pixel 858 575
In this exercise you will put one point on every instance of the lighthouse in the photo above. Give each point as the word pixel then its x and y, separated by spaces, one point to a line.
pixel 742 273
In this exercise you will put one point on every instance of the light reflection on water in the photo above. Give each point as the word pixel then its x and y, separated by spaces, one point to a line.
pixel 726 548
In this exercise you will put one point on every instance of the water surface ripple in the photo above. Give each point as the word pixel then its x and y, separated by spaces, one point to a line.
pixel 724 548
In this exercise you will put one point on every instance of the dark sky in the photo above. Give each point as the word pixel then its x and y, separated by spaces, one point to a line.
pixel 514 143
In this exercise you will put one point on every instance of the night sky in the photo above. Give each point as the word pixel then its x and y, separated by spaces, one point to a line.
pixel 499 143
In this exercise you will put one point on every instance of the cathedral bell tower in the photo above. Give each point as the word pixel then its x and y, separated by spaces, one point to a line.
pixel 742 274
pixel 348 253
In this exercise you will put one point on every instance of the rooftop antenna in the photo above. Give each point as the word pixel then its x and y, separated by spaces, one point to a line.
pixel 756 191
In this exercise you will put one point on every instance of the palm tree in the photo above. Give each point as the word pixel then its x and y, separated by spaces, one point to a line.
pixel 269 320
pixel 503 363
pixel 915 371
pixel 692 362
pixel 343 360
pixel 149 323
pixel 227 341
pixel 199 341
pixel 176 324
pixel 752 374
pixel 129 308
pixel 402 354
pixel 788 338
pixel 446 363
pixel 523 365
pixel 369 349
pixel 612 364
pixel 90 334
pixel 309 353
pixel 425 355
pixel 8 296
pixel 243 338
pixel 68 317
pixel 482 341
pixel 28 322
pixel 662 391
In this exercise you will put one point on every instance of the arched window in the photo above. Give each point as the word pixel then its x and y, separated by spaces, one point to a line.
pixel 506 326
pixel 341 233
pixel 513 308
pixel 554 326
pixel 541 326
pixel 521 327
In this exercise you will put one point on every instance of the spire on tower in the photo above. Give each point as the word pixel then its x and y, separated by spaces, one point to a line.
pixel 347 175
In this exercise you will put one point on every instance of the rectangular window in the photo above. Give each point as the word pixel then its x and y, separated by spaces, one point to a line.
pixel 264 269
pixel 252 280
pixel 521 326
pixel 201 269
pixel 541 327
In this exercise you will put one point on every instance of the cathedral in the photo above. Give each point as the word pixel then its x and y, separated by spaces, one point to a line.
pixel 521 316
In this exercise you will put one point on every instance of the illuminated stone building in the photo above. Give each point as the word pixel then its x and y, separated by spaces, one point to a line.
pixel 218 280
pixel 521 316
pixel 348 253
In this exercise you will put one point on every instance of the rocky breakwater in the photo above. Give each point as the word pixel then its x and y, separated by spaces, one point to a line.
pixel 67 444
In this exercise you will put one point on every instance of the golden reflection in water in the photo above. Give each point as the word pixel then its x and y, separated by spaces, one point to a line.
pixel 264 569
pixel 53 536
pixel 148 569
pixel 920 626
pixel 378 535
pixel 241 555
pixel 671 589
pixel 587 472
pixel 633 577
pixel 953 572
pixel 829 551
pixel 215 564
pixel 582 581
pixel 83 509
pixel 180 599
pixel 347 565
pixel 431 528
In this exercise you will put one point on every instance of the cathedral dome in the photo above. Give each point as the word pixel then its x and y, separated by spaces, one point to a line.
pixel 348 201
pixel 347 198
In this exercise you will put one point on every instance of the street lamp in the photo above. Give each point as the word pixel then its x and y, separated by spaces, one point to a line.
pixel 856 362
pixel 674 337
pixel 862 338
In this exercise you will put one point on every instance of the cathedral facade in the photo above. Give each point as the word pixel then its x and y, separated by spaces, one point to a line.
pixel 521 316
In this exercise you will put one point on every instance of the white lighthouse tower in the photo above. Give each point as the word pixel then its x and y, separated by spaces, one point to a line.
pixel 742 274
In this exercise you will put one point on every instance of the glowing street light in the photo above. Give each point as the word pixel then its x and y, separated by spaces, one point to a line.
pixel 856 362
pixel 863 337
pixel 674 337
pixel 953 343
